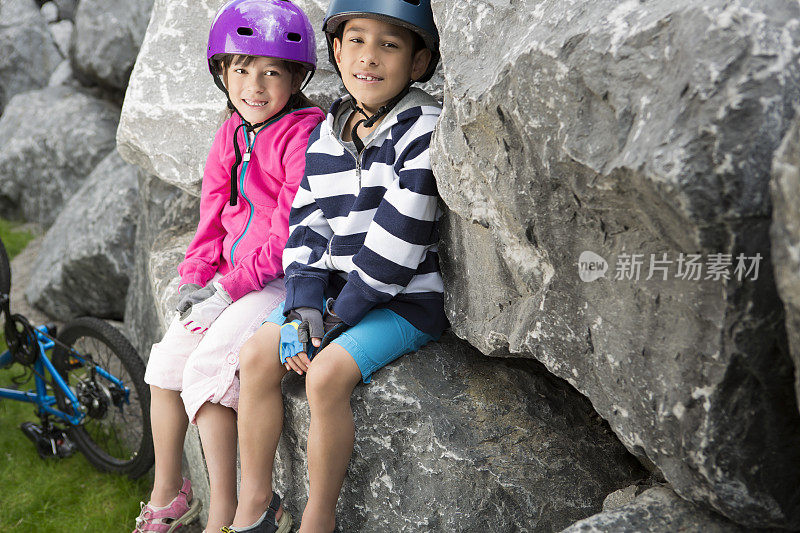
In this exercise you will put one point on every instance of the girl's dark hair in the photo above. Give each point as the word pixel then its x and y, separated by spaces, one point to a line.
pixel 298 100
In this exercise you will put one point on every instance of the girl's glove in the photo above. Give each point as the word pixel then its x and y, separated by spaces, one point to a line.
pixel 186 291
pixel 332 324
pixel 212 301
pixel 301 325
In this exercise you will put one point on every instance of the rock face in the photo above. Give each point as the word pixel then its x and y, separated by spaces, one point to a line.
pixel 87 258
pixel 28 54
pixel 785 234
pixel 163 211
pixel 657 510
pixel 625 128
pixel 447 440
pixel 106 40
pixel 51 140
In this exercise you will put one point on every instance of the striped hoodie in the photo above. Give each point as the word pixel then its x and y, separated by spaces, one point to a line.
pixel 364 228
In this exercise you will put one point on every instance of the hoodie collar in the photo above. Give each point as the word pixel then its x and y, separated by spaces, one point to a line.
pixel 416 97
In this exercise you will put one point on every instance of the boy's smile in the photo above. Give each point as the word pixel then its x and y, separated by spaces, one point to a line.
pixel 377 60
pixel 260 89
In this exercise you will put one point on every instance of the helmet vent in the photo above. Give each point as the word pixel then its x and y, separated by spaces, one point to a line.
pixel 244 31
pixel 412 2
pixel 294 37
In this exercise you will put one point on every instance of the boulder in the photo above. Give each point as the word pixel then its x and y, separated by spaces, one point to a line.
pixel 28 54
pixel 87 257
pixel 66 9
pixel 62 35
pixel 169 211
pixel 49 11
pixel 785 235
pixel 657 510
pixel 447 440
pixel 51 140
pixel 62 75
pixel 106 40
pixel 621 128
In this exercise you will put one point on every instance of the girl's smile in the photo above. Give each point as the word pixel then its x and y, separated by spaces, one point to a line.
pixel 259 87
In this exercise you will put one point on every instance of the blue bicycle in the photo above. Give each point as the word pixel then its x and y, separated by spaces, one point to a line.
pixel 89 393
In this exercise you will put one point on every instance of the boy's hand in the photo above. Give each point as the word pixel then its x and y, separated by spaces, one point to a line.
pixel 333 325
pixel 303 324
pixel 213 299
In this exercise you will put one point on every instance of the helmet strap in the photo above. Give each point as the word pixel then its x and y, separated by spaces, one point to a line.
pixel 248 128
pixel 369 120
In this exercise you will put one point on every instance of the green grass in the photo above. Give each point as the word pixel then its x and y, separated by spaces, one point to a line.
pixel 14 239
pixel 54 495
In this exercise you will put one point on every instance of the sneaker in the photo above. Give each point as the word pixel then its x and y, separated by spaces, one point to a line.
pixel 182 510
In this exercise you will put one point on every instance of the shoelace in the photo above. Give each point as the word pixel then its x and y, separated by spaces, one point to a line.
pixel 142 516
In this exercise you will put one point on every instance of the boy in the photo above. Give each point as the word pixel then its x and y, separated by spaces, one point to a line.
pixel 363 233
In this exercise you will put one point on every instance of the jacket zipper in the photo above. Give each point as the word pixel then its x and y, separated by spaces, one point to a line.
pixel 358 174
pixel 245 163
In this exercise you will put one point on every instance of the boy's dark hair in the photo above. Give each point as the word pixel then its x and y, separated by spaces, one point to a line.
pixel 297 101
pixel 418 42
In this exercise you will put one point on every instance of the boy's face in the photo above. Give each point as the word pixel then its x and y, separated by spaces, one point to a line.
pixel 260 89
pixel 377 60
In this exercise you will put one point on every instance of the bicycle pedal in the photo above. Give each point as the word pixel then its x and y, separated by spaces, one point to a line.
pixel 49 443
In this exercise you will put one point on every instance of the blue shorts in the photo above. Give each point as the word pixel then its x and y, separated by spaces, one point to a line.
pixel 381 337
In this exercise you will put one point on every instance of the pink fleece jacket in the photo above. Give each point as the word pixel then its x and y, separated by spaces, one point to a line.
pixel 245 242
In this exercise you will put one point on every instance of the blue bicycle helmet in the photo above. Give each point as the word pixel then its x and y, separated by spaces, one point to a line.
pixel 415 15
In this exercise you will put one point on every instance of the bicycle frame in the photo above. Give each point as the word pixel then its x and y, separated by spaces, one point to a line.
pixel 40 398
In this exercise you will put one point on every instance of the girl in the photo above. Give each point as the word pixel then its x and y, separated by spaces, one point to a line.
pixel 259 52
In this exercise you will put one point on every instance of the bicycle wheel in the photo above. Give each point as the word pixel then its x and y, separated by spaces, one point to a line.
pixel 115 435
pixel 5 271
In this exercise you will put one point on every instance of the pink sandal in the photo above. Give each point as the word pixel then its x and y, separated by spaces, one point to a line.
pixel 182 510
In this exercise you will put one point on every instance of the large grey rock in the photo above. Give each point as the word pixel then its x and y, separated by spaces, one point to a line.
pixel 62 35
pixel 447 440
pixel 28 54
pixel 657 510
pixel 162 92
pixel 106 40
pixel 785 234
pixel 66 9
pixel 630 127
pixel 87 258
pixel 164 211
pixel 51 140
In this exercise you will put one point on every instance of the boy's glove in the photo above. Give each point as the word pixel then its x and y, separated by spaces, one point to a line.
pixel 332 324
pixel 187 297
pixel 212 301
pixel 301 325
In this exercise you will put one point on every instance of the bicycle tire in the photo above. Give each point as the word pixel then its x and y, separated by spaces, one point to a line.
pixel 115 436
pixel 5 270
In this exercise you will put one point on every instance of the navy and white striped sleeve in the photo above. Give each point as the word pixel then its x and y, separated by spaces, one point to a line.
pixel 303 262
pixel 403 230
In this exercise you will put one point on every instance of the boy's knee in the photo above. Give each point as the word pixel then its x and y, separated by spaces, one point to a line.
pixel 331 375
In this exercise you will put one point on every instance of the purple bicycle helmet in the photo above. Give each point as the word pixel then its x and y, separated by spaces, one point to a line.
pixel 272 28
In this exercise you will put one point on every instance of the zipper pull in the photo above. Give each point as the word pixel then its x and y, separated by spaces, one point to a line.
pixel 246 156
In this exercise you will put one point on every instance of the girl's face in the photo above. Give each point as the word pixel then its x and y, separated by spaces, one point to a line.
pixel 260 89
